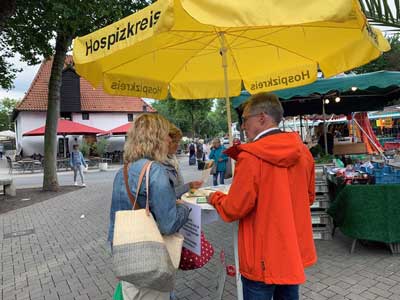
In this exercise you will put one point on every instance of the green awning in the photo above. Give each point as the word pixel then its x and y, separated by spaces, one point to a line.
pixel 374 91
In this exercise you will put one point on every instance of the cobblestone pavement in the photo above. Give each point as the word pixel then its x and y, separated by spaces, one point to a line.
pixel 57 250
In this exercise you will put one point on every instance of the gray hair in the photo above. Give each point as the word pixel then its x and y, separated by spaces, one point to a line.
pixel 265 103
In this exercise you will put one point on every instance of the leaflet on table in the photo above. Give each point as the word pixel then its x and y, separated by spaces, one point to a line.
pixel 192 229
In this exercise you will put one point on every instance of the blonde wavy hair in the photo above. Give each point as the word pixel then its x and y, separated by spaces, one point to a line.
pixel 147 138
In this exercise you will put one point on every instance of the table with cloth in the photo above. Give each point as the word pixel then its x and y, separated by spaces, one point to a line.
pixel 368 212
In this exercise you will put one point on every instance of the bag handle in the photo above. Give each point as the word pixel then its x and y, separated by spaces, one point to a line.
pixel 147 188
pixel 130 195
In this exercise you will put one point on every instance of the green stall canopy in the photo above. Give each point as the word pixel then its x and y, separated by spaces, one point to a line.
pixel 364 92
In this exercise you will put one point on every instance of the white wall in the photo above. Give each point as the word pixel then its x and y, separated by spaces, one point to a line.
pixel 27 121
pixel 104 121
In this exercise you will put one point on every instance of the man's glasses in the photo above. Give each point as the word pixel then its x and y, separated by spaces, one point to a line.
pixel 245 118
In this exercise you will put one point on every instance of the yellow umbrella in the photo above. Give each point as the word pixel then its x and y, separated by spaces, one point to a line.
pixel 179 46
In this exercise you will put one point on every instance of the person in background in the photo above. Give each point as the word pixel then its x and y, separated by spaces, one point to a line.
pixel 270 195
pixel 172 164
pixel 206 151
pixel 220 159
pixel 148 139
pixel 236 142
pixel 192 153
pixel 329 138
pixel 77 162
pixel 199 150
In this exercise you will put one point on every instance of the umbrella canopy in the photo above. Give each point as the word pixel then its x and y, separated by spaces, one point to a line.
pixel 177 47
pixel 66 127
pixel 123 129
pixel 364 92
pixel 7 134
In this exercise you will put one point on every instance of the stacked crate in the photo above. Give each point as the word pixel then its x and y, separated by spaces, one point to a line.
pixel 321 221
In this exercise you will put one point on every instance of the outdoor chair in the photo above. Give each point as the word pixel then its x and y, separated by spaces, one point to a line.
pixel 13 166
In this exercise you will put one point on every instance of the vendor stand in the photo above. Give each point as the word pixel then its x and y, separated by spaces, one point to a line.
pixel 365 211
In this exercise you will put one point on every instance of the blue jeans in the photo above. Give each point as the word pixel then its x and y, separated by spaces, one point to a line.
pixel 221 177
pixel 256 290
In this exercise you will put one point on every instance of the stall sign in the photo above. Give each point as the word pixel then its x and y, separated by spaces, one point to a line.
pixel 385 122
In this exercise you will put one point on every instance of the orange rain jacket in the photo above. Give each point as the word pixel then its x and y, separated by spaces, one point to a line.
pixel 271 192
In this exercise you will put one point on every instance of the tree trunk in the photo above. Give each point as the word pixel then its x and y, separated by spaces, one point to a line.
pixel 50 180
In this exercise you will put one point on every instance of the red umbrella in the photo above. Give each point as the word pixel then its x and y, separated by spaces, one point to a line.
pixel 123 129
pixel 66 127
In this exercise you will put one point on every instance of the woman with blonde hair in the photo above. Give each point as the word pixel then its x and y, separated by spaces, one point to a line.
pixel 148 139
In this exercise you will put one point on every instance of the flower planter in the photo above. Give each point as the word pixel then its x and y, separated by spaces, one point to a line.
pixel 103 166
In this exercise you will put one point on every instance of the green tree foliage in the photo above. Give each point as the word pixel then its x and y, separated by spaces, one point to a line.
pixel 45 28
pixel 196 118
pixel 191 116
pixel 220 119
pixel 7 106
pixel 387 61
pixel 7 71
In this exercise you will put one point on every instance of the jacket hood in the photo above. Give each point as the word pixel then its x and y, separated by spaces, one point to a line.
pixel 281 149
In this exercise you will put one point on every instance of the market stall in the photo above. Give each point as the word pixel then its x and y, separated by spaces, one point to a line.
pixel 369 212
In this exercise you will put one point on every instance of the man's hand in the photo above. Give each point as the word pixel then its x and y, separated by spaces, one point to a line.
pixel 220 159
pixel 195 184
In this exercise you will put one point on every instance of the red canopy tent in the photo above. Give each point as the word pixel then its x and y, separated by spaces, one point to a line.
pixel 66 127
pixel 123 129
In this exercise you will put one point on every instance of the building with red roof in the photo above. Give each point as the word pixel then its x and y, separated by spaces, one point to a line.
pixel 80 102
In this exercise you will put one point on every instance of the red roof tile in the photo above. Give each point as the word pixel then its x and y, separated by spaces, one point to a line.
pixel 95 100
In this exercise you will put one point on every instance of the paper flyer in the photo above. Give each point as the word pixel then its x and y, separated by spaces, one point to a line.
pixel 192 229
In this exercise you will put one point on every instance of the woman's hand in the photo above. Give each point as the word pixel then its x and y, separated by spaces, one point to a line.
pixel 180 201
pixel 195 184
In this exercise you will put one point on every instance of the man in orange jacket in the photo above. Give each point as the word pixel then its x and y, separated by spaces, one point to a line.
pixel 270 194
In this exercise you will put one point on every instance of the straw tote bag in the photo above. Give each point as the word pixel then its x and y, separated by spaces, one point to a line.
pixel 141 255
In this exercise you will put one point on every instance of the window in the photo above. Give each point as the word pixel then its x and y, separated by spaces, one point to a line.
pixel 66 116
pixel 144 107
pixel 85 116
pixel 130 117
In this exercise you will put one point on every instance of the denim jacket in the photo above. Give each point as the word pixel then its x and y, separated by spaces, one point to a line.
pixel 169 216
pixel 176 179
pixel 77 162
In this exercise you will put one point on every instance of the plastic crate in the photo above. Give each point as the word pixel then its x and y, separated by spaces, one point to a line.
pixel 320 218
pixel 320 174
pixel 387 179
pixel 322 234
pixel 387 170
pixel 321 201
pixel 321 186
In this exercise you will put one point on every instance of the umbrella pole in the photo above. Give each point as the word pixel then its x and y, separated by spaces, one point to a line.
pixel 325 134
pixel 226 83
pixel 223 49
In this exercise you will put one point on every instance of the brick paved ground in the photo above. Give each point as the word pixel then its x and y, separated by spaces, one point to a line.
pixel 60 255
